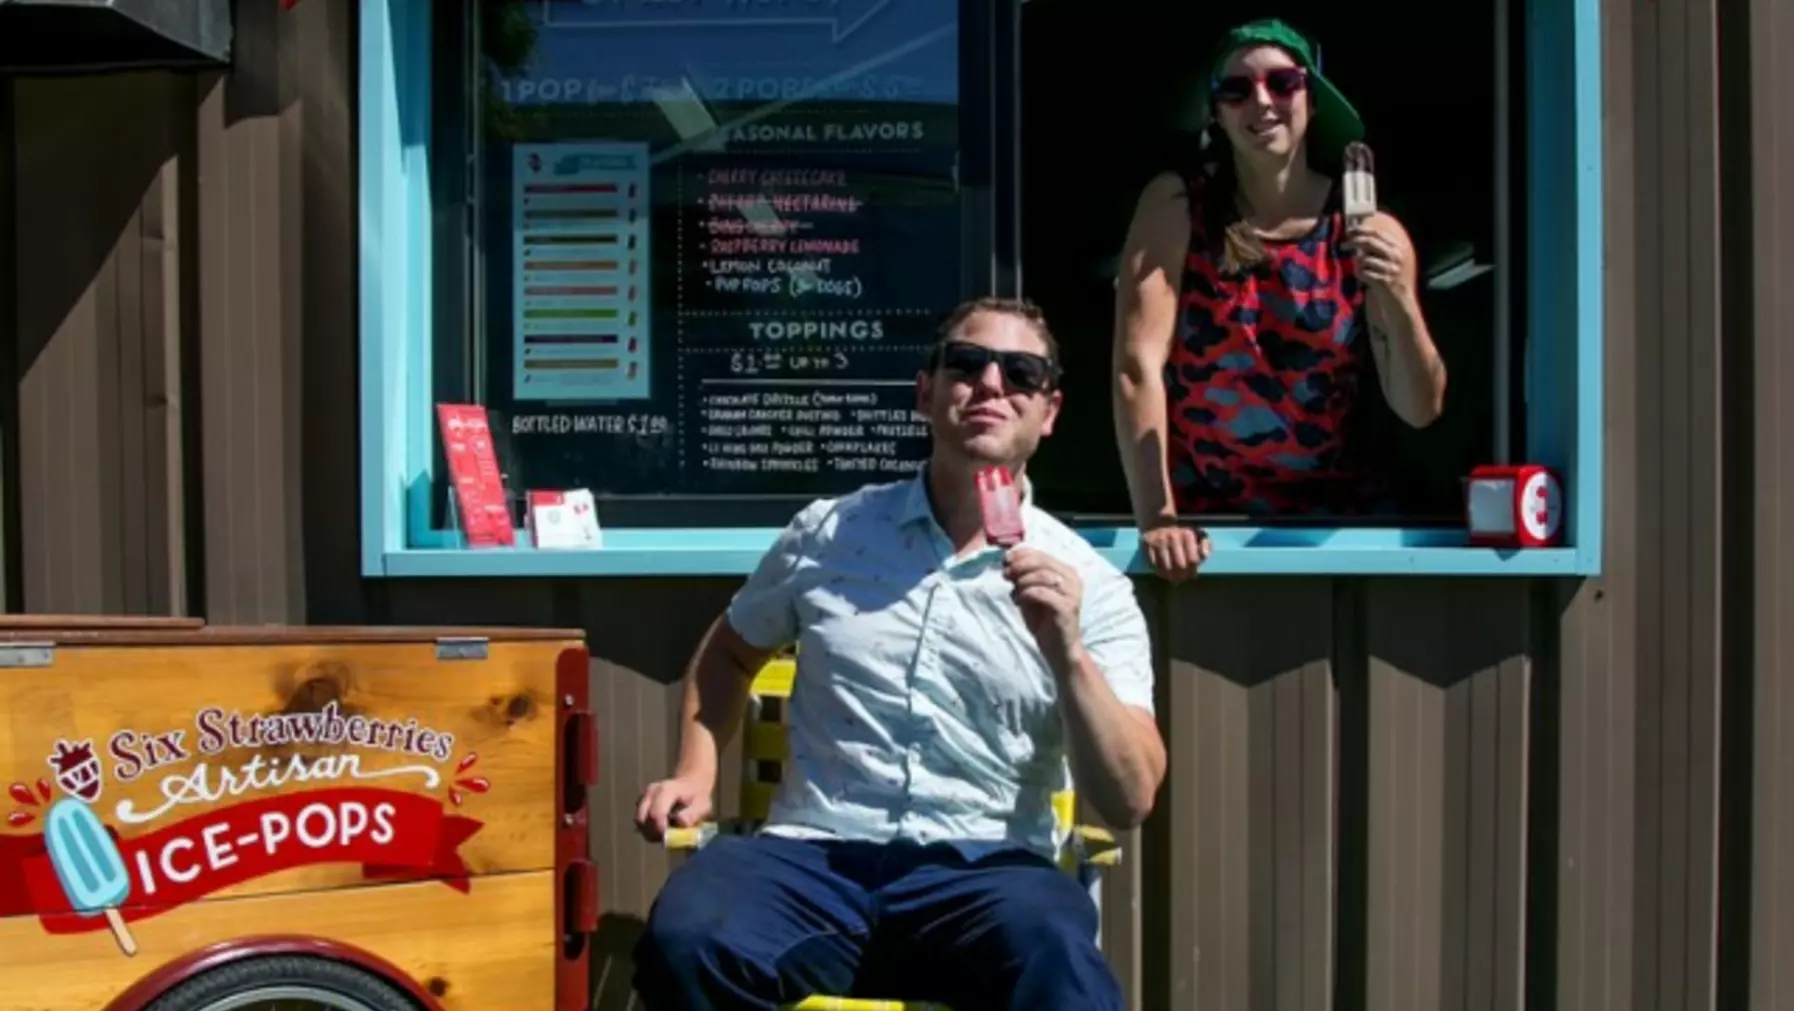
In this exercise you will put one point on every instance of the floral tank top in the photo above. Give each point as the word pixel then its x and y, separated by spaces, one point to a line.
pixel 1264 375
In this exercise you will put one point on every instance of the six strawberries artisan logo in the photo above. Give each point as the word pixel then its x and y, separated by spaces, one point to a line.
pixel 234 796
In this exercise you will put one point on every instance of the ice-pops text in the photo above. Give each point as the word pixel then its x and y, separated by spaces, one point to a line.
pixel 339 826
pixel 384 834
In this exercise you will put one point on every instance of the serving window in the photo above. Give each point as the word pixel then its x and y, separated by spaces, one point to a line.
pixel 688 256
pixel 1445 168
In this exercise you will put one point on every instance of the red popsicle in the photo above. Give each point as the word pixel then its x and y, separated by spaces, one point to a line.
pixel 1001 504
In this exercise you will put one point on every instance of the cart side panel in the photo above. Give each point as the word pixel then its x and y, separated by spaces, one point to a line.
pixel 487 951
pixel 374 793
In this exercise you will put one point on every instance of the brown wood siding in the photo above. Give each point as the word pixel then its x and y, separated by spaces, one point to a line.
pixel 1385 793
pixel 255 215
pixel 1447 727
pixel 1765 772
pixel 176 237
pixel 1679 595
pixel 1251 725
pixel 98 322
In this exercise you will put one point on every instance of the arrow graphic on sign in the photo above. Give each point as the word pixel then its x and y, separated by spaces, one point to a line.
pixel 698 128
pixel 840 27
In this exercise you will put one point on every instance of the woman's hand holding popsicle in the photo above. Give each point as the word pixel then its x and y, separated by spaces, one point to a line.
pixel 1384 253
pixel 1382 246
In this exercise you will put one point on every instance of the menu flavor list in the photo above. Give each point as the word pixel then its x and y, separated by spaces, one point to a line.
pixel 796 285
pixel 807 297
pixel 581 217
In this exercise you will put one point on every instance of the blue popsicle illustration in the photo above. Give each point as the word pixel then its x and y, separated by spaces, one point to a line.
pixel 88 864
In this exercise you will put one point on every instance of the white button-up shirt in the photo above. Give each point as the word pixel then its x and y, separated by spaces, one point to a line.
pixel 923 709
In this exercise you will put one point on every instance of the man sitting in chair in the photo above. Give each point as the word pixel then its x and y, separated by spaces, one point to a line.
pixel 943 687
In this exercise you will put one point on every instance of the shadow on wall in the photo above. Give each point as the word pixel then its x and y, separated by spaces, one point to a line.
pixel 89 150
pixel 88 155
pixel 170 236
pixel 611 963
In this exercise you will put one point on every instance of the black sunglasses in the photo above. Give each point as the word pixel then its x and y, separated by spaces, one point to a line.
pixel 1282 84
pixel 1023 371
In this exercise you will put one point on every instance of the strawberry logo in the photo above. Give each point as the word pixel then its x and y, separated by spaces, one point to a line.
pixel 77 770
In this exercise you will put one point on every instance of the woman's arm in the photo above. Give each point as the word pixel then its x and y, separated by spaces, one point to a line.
pixel 1408 363
pixel 1152 271
pixel 1146 296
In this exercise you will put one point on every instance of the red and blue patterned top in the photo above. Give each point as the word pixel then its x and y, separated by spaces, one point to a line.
pixel 1264 376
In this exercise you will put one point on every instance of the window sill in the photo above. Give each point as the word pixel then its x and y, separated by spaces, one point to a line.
pixel 1251 551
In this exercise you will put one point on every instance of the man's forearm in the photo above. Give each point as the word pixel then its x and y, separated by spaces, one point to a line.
pixel 715 697
pixel 1117 767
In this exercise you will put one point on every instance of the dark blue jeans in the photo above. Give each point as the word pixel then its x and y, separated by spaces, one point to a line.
pixel 752 923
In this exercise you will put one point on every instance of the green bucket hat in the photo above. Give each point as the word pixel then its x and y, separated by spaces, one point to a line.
pixel 1333 123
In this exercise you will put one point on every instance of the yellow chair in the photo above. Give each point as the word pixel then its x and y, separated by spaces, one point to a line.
pixel 765 746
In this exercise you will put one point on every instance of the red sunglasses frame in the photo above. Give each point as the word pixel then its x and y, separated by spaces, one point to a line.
pixel 1271 79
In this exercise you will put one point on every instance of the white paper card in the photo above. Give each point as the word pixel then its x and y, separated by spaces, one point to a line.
pixel 565 520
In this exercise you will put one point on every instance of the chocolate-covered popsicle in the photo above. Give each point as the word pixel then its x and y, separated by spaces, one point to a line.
pixel 1360 182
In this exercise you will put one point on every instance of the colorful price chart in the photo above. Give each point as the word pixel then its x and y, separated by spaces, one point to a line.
pixel 580 222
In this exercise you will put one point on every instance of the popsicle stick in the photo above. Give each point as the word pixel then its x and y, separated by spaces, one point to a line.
pixel 121 932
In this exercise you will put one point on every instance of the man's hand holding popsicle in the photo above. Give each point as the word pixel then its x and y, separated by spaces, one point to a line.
pixel 1048 591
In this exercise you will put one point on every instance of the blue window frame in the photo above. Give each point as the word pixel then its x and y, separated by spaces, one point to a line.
pixel 1563 377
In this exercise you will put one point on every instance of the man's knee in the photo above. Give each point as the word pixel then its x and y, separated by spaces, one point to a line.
pixel 737 920
pixel 1051 941
pixel 683 935
pixel 1051 912
pixel 1046 935
pixel 683 958
pixel 677 941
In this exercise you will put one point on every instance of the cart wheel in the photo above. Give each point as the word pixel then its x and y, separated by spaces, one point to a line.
pixel 285 983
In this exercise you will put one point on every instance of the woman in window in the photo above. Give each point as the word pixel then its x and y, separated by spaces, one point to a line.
pixel 1249 312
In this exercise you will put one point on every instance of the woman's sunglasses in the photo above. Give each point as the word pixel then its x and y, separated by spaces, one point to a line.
pixel 1023 371
pixel 1283 84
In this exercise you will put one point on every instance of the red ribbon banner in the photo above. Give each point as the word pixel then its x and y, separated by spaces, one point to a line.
pixel 394 835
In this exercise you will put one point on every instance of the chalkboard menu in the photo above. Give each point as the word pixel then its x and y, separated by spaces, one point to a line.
pixel 720 284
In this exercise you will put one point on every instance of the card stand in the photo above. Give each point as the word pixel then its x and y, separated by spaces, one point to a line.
pixel 451 518
pixel 505 459
pixel 510 464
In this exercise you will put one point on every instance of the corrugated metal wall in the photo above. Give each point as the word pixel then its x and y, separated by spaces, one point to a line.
pixel 1399 795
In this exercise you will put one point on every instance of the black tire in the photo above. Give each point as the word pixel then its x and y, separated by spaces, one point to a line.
pixel 325 978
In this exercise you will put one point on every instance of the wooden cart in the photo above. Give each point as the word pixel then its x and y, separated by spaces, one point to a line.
pixel 393 816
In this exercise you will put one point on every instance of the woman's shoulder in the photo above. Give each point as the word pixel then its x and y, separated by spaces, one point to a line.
pixel 1161 217
pixel 1174 194
pixel 1165 188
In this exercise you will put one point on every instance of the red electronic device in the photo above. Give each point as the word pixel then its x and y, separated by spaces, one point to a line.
pixel 1514 506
